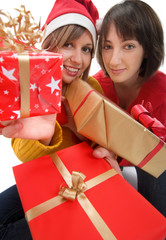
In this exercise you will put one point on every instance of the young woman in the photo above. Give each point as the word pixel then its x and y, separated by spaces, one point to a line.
pixel 70 31
pixel 130 51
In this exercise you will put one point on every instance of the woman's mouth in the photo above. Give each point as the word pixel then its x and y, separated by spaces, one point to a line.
pixel 117 71
pixel 71 70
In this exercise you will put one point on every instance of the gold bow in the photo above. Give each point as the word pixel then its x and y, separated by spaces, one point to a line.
pixel 78 186
pixel 19 33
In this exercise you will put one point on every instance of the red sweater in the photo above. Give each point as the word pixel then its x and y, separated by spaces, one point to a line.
pixel 152 93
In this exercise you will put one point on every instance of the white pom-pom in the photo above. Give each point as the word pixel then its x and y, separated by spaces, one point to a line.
pixel 98 24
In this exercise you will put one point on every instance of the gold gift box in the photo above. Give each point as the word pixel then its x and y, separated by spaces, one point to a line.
pixel 105 123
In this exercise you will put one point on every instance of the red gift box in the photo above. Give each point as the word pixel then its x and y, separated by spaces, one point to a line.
pixel 110 208
pixel 30 84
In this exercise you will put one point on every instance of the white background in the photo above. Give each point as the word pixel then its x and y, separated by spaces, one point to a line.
pixel 40 9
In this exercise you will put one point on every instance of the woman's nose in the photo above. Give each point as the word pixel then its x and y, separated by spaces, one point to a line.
pixel 76 56
pixel 116 57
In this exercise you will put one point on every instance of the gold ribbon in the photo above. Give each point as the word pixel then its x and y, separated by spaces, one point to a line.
pixel 76 181
pixel 24 75
pixel 78 186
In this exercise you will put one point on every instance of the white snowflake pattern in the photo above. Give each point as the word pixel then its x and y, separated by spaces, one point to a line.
pixel 12 117
pixel 47 59
pixel 57 94
pixel 53 85
pixel 1 111
pixel 6 92
pixel 43 71
pixel 37 66
pixel 46 110
pixel 9 73
pixel 15 55
pixel 1 80
pixel 16 99
pixel 59 104
pixel 33 86
pixel 17 113
pixel 36 106
pixel 1 59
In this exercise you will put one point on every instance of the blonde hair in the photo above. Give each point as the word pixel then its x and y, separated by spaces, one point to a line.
pixel 58 38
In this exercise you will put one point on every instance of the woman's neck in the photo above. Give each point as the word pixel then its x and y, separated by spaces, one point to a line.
pixel 127 93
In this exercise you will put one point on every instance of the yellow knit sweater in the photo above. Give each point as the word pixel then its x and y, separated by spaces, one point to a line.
pixel 27 150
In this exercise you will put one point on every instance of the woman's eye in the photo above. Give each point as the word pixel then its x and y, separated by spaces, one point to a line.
pixel 129 46
pixel 87 49
pixel 107 47
pixel 67 45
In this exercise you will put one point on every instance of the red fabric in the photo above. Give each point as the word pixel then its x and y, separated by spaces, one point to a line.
pixel 61 117
pixel 45 68
pixel 83 7
pixel 137 220
pixel 152 95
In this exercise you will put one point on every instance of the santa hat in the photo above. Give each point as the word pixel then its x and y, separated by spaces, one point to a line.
pixel 80 12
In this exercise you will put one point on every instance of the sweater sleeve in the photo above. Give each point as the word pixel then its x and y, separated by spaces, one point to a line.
pixel 27 150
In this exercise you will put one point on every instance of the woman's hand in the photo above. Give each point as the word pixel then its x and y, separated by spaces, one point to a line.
pixel 101 152
pixel 37 128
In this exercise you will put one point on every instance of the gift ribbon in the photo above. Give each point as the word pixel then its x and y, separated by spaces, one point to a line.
pixel 141 114
pixel 24 74
pixel 20 33
pixel 151 154
pixel 73 183
pixel 78 186
pixel 80 105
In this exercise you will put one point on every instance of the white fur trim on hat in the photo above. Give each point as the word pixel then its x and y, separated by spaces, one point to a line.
pixel 99 24
pixel 71 18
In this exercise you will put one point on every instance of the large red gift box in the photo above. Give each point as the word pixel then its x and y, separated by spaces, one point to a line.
pixel 110 208
pixel 30 84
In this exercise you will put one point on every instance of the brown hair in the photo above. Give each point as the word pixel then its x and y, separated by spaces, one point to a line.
pixel 136 19
pixel 61 36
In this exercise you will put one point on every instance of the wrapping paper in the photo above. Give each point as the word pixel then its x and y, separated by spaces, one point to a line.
pixel 30 84
pixel 109 208
pixel 105 123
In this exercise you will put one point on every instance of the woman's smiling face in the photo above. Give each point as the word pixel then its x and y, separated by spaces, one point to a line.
pixel 76 57
pixel 122 57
